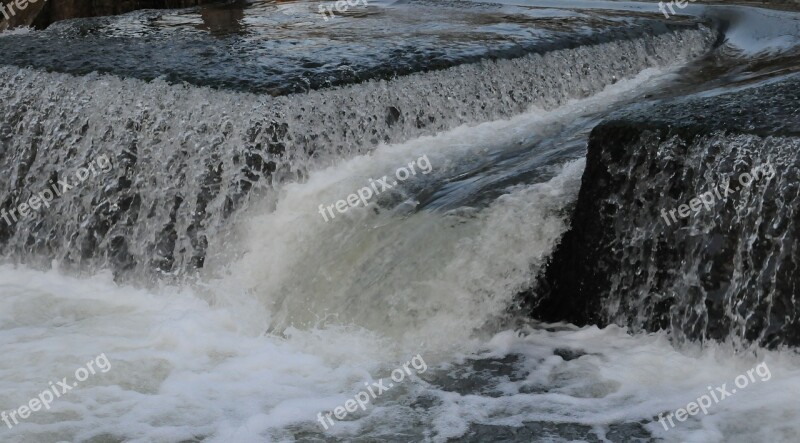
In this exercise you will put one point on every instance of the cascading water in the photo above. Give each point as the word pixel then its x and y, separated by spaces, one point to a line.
pixel 230 310
pixel 185 159
pixel 759 203
pixel 691 227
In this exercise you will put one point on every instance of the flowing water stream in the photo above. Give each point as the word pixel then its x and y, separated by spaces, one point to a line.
pixel 230 310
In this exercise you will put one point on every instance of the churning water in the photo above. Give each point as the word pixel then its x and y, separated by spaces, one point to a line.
pixel 231 311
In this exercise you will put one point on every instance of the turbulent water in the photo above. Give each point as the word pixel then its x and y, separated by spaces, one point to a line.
pixel 230 309
pixel 193 163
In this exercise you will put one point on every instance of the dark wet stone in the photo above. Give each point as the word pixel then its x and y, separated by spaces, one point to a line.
pixel 569 354
pixel 480 376
pixel 629 433
pixel 533 432
pixel 726 270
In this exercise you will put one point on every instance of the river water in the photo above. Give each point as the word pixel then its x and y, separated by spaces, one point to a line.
pixel 245 322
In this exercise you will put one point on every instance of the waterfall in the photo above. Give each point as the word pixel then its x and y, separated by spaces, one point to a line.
pixel 186 159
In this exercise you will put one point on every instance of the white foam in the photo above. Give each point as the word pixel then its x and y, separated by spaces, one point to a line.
pixel 188 362
pixel 196 362
pixel 630 379
pixel 181 368
pixel 428 277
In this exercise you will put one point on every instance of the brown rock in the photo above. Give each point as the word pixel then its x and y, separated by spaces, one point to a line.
pixel 19 13
pixel 42 13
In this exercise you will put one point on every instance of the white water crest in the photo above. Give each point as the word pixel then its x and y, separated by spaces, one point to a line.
pixel 431 277
pixel 183 369
pixel 187 160
pixel 295 313
pixel 291 315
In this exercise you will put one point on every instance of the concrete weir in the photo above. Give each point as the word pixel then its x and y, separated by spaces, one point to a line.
pixel 722 270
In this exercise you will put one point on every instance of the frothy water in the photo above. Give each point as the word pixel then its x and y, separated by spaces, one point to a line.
pixel 357 269
pixel 304 312
pixel 183 370
pixel 231 311
pixel 177 351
